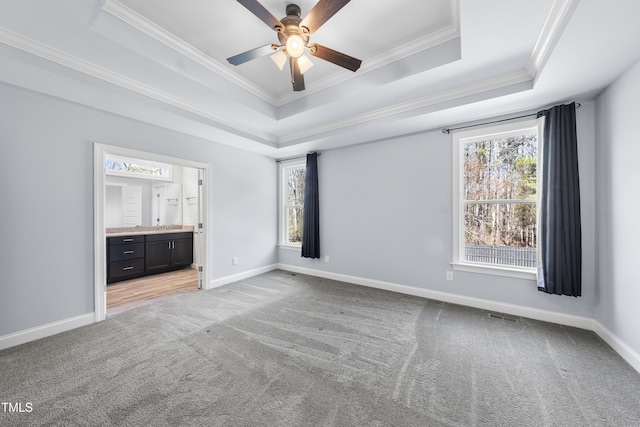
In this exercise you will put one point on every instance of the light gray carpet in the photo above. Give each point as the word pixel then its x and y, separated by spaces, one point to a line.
pixel 293 350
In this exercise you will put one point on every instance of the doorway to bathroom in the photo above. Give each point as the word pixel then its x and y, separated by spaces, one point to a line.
pixel 144 197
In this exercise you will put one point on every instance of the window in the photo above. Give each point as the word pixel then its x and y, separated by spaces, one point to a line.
pixel 292 201
pixel 135 168
pixel 495 199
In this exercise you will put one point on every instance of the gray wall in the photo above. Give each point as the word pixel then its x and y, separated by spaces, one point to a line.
pixel 46 149
pixel 386 214
pixel 385 210
pixel 618 177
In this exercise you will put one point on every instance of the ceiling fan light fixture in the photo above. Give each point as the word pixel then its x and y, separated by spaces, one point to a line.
pixel 304 63
pixel 293 35
pixel 295 46
pixel 280 58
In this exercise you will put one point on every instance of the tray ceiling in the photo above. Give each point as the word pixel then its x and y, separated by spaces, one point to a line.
pixel 377 32
pixel 426 64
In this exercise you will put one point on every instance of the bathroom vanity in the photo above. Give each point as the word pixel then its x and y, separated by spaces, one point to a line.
pixel 140 251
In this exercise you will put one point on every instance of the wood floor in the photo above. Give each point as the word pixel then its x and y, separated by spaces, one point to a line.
pixel 129 294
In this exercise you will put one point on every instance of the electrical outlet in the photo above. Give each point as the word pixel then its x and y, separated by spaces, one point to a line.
pixel 326 258
pixel 449 275
pixel 234 260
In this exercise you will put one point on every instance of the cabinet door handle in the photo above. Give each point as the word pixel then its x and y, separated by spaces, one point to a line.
pixel 127 252
pixel 127 240
pixel 169 245
pixel 127 268
pixel 173 245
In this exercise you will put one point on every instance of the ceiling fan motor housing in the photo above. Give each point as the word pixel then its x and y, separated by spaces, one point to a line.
pixel 291 25
pixel 293 10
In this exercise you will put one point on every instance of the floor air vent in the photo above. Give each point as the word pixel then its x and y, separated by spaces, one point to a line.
pixel 503 317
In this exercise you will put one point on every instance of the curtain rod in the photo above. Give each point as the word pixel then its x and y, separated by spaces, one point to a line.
pixel 448 130
pixel 298 157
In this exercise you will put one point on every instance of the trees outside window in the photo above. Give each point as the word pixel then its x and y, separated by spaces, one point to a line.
pixel 292 202
pixel 496 215
pixel 135 168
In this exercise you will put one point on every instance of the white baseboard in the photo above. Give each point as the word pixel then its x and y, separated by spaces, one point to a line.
pixel 619 346
pixel 240 276
pixel 514 310
pixel 626 352
pixel 43 331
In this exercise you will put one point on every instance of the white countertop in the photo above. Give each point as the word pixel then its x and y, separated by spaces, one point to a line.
pixel 134 231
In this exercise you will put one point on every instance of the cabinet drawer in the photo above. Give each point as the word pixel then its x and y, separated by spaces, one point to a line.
pixel 126 268
pixel 128 251
pixel 121 240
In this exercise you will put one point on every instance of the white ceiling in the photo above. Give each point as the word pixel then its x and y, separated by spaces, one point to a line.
pixel 426 64
pixel 223 29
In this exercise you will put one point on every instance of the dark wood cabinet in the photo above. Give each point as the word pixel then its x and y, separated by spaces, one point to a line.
pixel 182 251
pixel 168 251
pixel 158 255
pixel 129 257
pixel 125 257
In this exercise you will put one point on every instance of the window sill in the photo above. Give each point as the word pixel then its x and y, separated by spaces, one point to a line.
pixel 290 247
pixel 495 271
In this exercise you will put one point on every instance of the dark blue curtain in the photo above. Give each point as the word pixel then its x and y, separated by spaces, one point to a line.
pixel 560 237
pixel 311 210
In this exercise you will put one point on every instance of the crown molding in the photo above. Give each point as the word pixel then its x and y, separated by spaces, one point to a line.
pixel 141 23
pixel 398 53
pixel 416 104
pixel 66 60
pixel 51 54
pixel 129 16
pixel 556 20
pixel 428 41
pixel 559 16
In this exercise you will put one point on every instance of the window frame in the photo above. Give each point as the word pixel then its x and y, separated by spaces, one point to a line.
pixel 168 177
pixel 283 167
pixel 463 137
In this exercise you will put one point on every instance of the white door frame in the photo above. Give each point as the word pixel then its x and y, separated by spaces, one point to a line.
pixel 100 151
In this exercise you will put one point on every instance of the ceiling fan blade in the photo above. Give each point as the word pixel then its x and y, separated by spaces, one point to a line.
pixel 261 12
pixel 338 58
pixel 252 54
pixel 296 76
pixel 321 12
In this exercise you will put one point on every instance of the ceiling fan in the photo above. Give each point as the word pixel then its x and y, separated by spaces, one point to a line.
pixel 293 35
